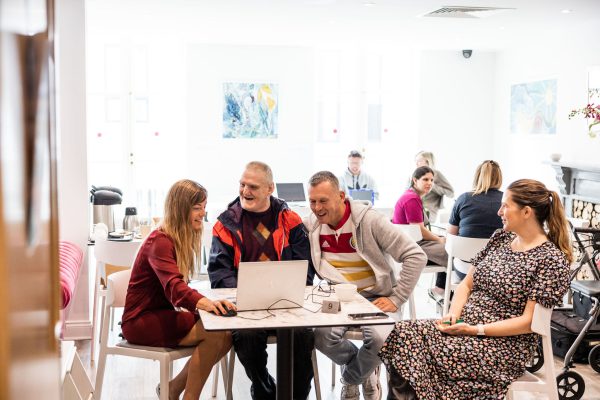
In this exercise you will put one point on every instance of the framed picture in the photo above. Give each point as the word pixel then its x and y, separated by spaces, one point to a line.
pixel 533 107
pixel 250 110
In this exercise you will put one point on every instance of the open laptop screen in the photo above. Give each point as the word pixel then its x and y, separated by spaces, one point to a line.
pixel 291 191
pixel 271 284
pixel 363 194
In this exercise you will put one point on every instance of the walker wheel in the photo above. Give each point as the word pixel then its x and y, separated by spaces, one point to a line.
pixel 594 358
pixel 537 359
pixel 570 385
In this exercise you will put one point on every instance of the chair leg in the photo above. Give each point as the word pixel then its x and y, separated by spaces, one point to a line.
pixel 447 290
pixel 315 365
pixel 100 374
pixel 229 394
pixel 411 307
pixel 224 371
pixel 102 302
pixel 215 380
pixel 332 374
pixel 165 366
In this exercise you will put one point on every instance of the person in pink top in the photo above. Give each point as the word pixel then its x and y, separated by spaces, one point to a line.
pixel 409 210
pixel 159 284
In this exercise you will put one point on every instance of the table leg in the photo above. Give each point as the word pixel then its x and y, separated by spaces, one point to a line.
pixel 285 364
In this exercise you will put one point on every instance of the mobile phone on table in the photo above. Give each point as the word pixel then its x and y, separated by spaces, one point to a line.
pixel 369 315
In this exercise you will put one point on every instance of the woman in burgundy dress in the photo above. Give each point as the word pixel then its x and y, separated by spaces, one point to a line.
pixel 160 307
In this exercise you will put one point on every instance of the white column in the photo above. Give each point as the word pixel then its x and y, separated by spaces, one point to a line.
pixel 73 198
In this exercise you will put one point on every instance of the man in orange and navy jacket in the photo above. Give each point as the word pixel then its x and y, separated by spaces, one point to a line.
pixel 259 227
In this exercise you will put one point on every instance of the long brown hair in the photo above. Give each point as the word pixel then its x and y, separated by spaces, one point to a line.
pixel 182 196
pixel 487 176
pixel 547 208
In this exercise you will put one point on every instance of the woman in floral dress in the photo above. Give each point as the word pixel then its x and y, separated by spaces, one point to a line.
pixel 480 357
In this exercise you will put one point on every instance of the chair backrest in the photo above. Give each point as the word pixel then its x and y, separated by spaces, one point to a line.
pixel 117 288
pixel 540 322
pixel 463 248
pixel 412 230
pixel 207 233
pixel 121 254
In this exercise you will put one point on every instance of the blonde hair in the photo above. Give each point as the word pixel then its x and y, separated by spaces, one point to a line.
pixel 547 208
pixel 428 156
pixel 487 176
pixel 182 196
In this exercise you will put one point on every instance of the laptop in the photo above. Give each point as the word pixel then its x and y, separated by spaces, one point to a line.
pixel 261 285
pixel 291 192
pixel 363 194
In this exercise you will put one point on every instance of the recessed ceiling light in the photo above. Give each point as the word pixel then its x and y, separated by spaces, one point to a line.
pixel 566 11
pixel 369 4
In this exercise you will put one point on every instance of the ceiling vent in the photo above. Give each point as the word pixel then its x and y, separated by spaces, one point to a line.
pixel 466 12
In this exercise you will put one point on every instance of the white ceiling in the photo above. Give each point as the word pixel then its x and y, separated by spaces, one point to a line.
pixel 335 22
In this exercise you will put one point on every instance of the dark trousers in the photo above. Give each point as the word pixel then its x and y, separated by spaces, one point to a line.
pixel 251 349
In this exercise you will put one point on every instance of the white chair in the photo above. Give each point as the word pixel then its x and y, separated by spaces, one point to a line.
pixel 414 232
pixel 110 256
pixel 546 383
pixel 115 298
pixel 272 339
pixel 76 384
pixel 459 248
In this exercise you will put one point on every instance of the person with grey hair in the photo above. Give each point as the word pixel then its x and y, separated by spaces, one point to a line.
pixel 433 200
pixel 354 178
pixel 352 243
pixel 259 227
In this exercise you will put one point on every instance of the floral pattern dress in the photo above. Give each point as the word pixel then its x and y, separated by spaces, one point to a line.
pixel 441 366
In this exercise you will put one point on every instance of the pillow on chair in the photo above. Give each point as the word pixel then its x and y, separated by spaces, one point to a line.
pixel 70 258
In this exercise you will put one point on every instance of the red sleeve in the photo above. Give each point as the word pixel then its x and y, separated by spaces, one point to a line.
pixel 413 209
pixel 161 257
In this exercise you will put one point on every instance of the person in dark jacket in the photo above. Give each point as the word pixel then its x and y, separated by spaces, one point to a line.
pixel 259 227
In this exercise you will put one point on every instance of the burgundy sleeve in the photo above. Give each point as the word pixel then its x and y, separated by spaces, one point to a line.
pixel 161 257
pixel 413 208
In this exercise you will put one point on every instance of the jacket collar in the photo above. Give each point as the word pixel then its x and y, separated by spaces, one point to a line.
pixel 232 217
pixel 358 209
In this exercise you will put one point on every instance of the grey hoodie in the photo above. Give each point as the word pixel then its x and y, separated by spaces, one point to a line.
pixel 380 243
pixel 360 181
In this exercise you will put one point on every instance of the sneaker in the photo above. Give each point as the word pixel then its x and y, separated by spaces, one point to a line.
pixel 372 386
pixel 349 392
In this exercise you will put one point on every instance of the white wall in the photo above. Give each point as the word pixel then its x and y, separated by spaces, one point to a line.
pixel 527 156
pixel 217 162
pixel 456 110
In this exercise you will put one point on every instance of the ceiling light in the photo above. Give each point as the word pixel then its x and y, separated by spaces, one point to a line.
pixel 566 11
pixel 369 4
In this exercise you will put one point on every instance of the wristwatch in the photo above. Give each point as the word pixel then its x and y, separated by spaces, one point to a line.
pixel 480 330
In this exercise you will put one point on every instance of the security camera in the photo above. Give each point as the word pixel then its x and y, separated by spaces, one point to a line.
pixel 467 53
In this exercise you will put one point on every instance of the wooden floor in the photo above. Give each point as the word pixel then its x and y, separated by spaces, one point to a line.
pixel 136 379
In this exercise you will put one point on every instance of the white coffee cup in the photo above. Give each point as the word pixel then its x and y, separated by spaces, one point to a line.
pixel 100 232
pixel 345 291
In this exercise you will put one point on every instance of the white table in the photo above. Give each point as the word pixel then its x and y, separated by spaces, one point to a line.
pixel 284 321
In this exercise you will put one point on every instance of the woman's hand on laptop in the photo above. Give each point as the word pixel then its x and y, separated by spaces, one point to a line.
pixel 218 307
pixel 385 304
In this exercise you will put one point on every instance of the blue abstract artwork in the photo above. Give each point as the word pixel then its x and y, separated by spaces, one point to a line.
pixel 533 107
pixel 250 110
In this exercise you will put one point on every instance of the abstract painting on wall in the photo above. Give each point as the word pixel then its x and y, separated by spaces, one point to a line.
pixel 250 110
pixel 533 107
